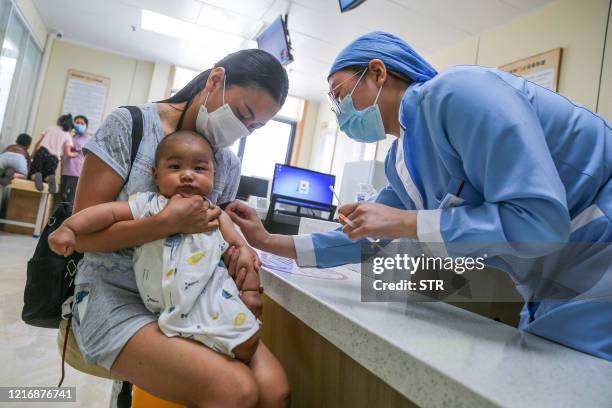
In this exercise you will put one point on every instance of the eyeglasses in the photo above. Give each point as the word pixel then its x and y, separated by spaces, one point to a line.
pixel 335 102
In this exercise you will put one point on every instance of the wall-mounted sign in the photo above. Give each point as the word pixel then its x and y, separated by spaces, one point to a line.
pixel 85 94
pixel 542 69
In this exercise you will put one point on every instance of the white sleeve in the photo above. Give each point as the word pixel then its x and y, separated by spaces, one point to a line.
pixel 140 204
pixel 304 248
pixel 223 245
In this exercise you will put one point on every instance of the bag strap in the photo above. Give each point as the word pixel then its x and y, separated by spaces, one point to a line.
pixel 66 335
pixel 137 127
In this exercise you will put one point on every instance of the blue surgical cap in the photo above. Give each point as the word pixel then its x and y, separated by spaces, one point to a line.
pixel 397 55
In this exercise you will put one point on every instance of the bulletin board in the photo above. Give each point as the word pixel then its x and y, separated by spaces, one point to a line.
pixel 542 69
pixel 85 94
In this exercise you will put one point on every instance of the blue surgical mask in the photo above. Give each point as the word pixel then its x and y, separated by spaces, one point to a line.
pixel 80 128
pixel 365 125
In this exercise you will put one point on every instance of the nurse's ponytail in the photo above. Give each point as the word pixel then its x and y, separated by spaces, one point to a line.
pixel 251 67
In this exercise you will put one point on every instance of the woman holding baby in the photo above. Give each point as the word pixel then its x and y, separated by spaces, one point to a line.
pixel 112 326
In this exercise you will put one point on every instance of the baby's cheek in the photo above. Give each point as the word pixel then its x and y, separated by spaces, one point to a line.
pixel 209 185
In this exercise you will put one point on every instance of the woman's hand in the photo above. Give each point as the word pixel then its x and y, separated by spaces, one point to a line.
pixel 378 221
pixel 248 221
pixel 191 215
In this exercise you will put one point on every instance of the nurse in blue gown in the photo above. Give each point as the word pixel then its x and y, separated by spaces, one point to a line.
pixel 483 159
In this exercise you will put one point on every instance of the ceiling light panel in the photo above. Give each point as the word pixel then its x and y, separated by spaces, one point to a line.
pixel 183 30
pixel 227 21
pixel 253 9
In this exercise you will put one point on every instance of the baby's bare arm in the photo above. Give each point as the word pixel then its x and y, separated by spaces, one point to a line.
pixel 249 290
pixel 63 240
pixel 228 230
pixel 245 257
pixel 99 217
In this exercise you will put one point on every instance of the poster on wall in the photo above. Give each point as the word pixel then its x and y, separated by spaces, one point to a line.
pixel 85 94
pixel 542 69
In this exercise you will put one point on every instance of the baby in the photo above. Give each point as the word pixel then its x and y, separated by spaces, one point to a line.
pixel 182 278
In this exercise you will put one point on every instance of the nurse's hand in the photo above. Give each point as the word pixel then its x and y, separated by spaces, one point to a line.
pixel 248 221
pixel 378 221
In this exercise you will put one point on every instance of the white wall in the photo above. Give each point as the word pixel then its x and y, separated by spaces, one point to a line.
pixel 160 87
pixel 605 92
pixel 130 79
pixel 310 116
pixel 578 26
pixel 325 120
pixel 462 53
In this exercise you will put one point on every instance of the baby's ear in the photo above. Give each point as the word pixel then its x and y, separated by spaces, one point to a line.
pixel 154 173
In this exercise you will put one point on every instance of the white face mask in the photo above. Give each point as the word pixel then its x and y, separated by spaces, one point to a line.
pixel 221 127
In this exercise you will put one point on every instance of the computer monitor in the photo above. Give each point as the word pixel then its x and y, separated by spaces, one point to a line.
pixel 346 5
pixel 302 186
pixel 275 40
pixel 252 186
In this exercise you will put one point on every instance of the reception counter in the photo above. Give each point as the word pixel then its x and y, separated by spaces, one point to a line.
pixel 339 351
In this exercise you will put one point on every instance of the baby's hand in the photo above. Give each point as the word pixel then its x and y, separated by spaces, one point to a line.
pixel 62 241
pixel 249 292
pixel 252 300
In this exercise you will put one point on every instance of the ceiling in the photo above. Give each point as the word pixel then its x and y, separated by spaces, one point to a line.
pixel 317 29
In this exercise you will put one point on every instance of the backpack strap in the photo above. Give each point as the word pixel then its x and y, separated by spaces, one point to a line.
pixel 137 126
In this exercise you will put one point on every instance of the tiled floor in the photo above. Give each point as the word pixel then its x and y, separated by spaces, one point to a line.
pixel 29 355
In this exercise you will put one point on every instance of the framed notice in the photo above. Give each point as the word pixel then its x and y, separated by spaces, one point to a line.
pixel 85 94
pixel 542 69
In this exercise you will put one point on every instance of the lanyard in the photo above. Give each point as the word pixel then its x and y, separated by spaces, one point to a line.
pixel 404 174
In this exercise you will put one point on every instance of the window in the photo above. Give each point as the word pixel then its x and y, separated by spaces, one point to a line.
pixel 333 148
pixel 19 64
pixel 272 143
pixel 265 147
pixel 182 76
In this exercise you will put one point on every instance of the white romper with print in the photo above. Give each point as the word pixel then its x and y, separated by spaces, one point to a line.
pixel 183 280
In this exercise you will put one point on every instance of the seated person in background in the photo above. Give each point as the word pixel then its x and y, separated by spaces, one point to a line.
pixel 55 142
pixel 15 160
pixel 182 278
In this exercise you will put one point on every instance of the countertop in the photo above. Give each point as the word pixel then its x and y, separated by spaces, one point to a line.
pixel 436 354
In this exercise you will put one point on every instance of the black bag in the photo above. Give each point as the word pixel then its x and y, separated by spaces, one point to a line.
pixel 50 277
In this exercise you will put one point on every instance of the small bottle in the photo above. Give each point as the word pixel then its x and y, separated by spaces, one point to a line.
pixel 363 192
